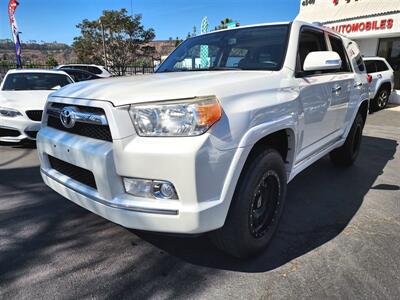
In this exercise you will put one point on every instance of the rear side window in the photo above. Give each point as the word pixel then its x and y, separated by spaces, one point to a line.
pixel 94 70
pixel 381 66
pixel 370 65
pixel 337 46
pixel 310 41
pixel 360 63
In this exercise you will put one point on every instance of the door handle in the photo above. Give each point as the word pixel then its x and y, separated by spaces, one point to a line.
pixel 358 84
pixel 336 89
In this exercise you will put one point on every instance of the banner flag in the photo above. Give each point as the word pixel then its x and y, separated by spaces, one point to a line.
pixel 204 50
pixel 12 7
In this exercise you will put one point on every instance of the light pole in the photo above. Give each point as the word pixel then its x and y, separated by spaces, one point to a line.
pixel 132 8
pixel 104 44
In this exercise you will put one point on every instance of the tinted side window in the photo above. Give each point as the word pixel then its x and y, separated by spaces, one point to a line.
pixel 337 46
pixel 370 65
pixel 381 66
pixel 94 70
pixel 79 67
pixel 360 63
pixel 310 41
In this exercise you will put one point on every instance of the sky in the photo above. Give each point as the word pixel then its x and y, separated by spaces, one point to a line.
pixel 56 20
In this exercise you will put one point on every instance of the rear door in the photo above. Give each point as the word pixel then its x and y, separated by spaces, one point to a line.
pixel 360 90
pixel 344 84
pixel 383 70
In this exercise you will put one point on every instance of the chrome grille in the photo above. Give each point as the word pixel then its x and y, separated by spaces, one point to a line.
pixel 89 121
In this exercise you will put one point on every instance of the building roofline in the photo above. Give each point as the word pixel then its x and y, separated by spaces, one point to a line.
pixel 362 17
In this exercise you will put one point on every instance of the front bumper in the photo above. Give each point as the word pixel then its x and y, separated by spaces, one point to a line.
pixel 27 129
pixel 199 172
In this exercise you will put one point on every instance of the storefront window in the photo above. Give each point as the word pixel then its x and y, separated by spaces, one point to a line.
pixel 390 49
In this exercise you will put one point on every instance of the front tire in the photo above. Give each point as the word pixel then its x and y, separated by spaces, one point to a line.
pixel 256 207
pixel 348 153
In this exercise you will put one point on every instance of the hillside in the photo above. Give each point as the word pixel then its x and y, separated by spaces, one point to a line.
pixel 39 52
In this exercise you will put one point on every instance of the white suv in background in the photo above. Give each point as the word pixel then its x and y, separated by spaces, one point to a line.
pixel 208 144
pixel 94 69
pixel 382 81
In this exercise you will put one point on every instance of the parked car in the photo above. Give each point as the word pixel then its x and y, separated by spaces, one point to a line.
pixel 209 145
pixel 80 75
pixel 382 81
pixel 94 69
pixel 23 95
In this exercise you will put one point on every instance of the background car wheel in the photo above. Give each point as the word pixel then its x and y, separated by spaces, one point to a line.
pixel 256 207
pixel 381 99
pixel 348 153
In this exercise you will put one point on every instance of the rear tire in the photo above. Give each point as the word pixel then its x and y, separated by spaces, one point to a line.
pixel 381 99
pixel 256 207
pixel 348 153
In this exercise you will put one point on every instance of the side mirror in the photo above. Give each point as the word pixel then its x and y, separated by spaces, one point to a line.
pixel 322 60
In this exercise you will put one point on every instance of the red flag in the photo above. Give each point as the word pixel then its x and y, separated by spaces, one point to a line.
pixel 12 6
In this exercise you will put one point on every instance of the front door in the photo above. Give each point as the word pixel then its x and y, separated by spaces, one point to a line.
pixel 323 96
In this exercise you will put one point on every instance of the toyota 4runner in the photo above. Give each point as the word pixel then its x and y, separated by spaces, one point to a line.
pixel 209 142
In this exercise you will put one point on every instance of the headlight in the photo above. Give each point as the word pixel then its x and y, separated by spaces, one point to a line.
pixel 176 118
pixel 9 112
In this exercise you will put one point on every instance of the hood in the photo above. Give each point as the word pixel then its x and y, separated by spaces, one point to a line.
pixel 24 100
pixel 169 86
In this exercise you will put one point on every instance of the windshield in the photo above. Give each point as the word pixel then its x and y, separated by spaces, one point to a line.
pixel 258 48
pixel 35 81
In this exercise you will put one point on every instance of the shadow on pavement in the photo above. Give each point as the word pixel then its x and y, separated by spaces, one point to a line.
pixel 321 202
pixel 26 144
pixel 53 244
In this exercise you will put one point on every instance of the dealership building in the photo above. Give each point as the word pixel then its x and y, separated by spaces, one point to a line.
pixel 373 24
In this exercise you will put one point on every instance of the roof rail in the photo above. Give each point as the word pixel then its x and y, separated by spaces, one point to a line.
pixel 318 24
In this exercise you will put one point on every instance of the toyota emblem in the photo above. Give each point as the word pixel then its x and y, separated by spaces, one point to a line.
pixel 67 117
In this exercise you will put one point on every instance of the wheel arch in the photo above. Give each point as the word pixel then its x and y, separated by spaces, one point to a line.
pixel 363 110
pixel 282 140
pixel 386 84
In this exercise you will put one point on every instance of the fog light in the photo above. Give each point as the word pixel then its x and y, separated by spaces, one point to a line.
pixel 164 190
pixel 145 188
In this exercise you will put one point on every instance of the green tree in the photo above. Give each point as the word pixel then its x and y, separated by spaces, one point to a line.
pixel 224 23
pixel 178 41
pixel 149 52
pixel 125 39
pixel 51 61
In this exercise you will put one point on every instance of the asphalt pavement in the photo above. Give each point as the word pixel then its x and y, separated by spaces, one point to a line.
pixel 339 239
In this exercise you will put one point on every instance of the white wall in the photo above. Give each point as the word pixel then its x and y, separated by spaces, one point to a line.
pixel 368 47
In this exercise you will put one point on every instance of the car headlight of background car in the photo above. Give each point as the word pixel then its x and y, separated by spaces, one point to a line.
pixel 9 112
pixel 190 117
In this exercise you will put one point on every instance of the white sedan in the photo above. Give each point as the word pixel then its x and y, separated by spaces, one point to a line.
pixel 23 95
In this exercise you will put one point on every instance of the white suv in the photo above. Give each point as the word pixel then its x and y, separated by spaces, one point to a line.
pixel 382 81
pixel 209 142
pixel 97 70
